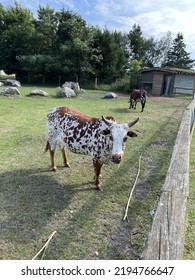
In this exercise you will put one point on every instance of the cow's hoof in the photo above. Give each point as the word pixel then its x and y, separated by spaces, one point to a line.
pixel 98 189
pixel 67 165
pixel 54 169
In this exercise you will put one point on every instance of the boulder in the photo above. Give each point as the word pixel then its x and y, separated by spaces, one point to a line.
pixel 10 91
pixel 38 92
pixel 12 83
pixel 72 85
pixel 65 92
pixel 110 95
pixel 1 84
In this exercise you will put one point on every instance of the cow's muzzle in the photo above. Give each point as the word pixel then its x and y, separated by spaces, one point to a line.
pixel 116 159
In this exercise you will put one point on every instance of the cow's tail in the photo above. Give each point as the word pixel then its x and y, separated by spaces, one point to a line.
pixel 47 147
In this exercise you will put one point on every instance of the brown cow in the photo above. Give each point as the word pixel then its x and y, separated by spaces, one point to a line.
pixel 135 96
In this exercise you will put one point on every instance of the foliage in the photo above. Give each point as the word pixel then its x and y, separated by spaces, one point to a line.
pixel 62 44
pixel 136 41
pixel 122 85
pixel 17 27
pixel 135 68
pixel 177 56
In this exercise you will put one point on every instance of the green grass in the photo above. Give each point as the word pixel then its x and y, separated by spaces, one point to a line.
pixel 189 249
pixel 35 201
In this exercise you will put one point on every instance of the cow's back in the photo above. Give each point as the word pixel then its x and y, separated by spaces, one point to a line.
pixel 72 128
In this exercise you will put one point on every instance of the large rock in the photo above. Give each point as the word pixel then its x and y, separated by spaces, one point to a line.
pixel 110 95
pixel 72 85
pixel 10 91
pixel 38 92
pixel 65 92
pixel 13 83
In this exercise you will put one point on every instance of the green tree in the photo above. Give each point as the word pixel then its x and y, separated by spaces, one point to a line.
pixel 42 57
pixel 95 56
pixel 45 30
pixel 16 29
pixel 136 43
pixel 72 41
pixel 135 67
pixel 156 50
pixel 114 62
pixel 177 55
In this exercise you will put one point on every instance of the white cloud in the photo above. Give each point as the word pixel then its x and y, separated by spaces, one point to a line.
pixel 107 8
pixel 156 18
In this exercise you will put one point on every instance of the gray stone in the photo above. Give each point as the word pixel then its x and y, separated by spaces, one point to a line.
pixel 65 92
pixel 38 92
pixel 110 95
pixel 10 91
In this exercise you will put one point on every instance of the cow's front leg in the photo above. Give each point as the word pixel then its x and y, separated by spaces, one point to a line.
pixel 143 105
pixel 97 170
pixel 65 160
pixel 131 104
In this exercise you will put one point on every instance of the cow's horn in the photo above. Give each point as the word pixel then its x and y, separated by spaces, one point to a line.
pixel 132 123
pixel 106 122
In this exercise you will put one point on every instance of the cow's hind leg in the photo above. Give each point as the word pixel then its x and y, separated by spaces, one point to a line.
pixel 97 169
pixel 52 155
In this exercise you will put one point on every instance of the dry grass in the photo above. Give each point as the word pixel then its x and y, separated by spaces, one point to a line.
pixel 34 201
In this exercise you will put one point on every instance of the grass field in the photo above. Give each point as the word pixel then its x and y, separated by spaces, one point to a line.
pixel 189 249
pixel 35 201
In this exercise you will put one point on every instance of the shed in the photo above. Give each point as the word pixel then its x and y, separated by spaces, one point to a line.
pixel 168 81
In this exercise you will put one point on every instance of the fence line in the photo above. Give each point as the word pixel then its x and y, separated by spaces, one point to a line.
pixel 166 238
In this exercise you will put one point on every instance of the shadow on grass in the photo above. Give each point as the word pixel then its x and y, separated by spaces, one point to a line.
pixel 29 199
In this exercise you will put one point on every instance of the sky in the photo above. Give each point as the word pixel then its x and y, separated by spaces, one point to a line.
pixel 156 18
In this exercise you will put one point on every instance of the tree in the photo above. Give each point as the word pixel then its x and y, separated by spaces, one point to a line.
pixel 135 67
pixel 45 31
pixel 136 43
pixel 95 56
pixel 114 57
pixel 72 41
pixel 156 50
pixel 163 46
pixel 16 29
pixel 42 58
pixel 177 56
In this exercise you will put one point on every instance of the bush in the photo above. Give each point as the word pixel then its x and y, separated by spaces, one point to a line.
pixel 121 86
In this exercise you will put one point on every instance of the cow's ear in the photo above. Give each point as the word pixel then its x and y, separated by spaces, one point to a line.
pixel 105 131
pixel 131 134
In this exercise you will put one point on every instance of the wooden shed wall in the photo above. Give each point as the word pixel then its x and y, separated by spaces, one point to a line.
pixel 147 78
pixel 157 83
pixel 184 84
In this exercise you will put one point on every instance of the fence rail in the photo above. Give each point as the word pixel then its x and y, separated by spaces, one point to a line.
pixel 166 238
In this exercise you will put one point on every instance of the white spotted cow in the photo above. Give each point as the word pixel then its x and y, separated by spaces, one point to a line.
pixel 101 138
